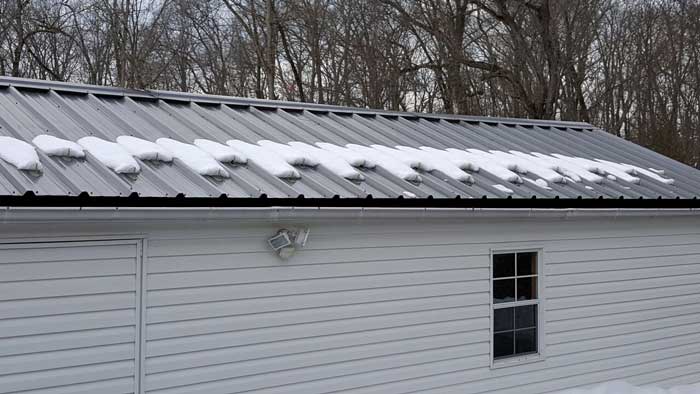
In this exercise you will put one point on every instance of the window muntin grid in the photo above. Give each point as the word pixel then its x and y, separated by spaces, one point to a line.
pixel 516 304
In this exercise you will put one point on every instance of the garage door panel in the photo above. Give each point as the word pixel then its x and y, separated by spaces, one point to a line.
pixel 65 376
pixel 66 287
pixel 69 340
pixel 110 386
pixel 66 269
pixel 69 251
pixel 66 322
pixel 61 305
pixel 66 358
pixel 69 317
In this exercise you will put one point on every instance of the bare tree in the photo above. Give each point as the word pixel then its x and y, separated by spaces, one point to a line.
pixel 259 19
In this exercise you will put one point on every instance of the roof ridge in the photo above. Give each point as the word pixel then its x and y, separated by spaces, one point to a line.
pixel 270 104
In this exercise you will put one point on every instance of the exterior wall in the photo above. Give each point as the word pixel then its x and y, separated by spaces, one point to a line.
pixel 400 306
pixel 68 317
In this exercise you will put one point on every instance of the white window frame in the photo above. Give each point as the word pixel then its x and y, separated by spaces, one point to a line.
pixel 540 302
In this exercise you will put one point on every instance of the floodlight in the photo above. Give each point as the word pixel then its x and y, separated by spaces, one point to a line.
pixel 280 240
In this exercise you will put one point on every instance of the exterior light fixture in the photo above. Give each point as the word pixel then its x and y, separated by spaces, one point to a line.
pixel 286 241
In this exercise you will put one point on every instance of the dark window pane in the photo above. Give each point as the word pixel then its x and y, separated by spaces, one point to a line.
pixel 503 265
pixel 527 289
pixel 503 344
pixel 503 319
pixel 526 341
pixel 503 290
pixel 527 263
pixel 526 316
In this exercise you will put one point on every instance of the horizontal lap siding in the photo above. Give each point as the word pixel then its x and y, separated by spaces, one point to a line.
pixel 225 315
pixel 392 308
pixel 68 316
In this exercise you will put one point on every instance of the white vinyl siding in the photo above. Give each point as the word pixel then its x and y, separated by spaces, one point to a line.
pixel 377 308
pixel 403 306
pixel 68 317
pixel 231 314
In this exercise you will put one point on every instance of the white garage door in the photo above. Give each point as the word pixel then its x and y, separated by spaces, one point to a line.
pixel 68 317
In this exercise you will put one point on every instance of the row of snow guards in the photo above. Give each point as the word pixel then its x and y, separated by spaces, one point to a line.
pixel 31 108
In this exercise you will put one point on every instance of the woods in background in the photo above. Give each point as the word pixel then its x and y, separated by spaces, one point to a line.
pixel 629 66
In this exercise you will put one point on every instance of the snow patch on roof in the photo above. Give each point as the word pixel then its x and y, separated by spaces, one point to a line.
pixel 353 158
pixel 334 163
pixel 387 162
pixel 503 189
pixel 524 163
pixel 436 162
pixel 221 152
pixel 410 160
pixel 292 156
pixel 20 154
pixel 144 150
pixel 266 159
pixel 490 164
pixel 588 165
pixel 456 157
pixel 511 165
pixel 635 170
pixel 194 158
pixel 656 175
pixel 539 183
pixel 618 170
pixel 111 154
pixel 54 146
pixel 570 167
pixel 204 156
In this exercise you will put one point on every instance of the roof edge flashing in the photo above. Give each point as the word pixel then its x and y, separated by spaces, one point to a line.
pixel 81 201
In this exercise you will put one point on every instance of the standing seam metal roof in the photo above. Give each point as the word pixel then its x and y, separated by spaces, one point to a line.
pixel 30 108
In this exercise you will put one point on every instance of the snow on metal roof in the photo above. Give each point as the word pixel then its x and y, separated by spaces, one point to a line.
pixel 32 108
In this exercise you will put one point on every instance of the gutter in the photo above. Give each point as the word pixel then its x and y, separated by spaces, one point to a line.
pixel 291 213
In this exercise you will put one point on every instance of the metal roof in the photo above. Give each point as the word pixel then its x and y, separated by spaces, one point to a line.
pixel 29 108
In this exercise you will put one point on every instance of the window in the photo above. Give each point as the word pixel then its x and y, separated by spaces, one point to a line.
pixel 516 304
